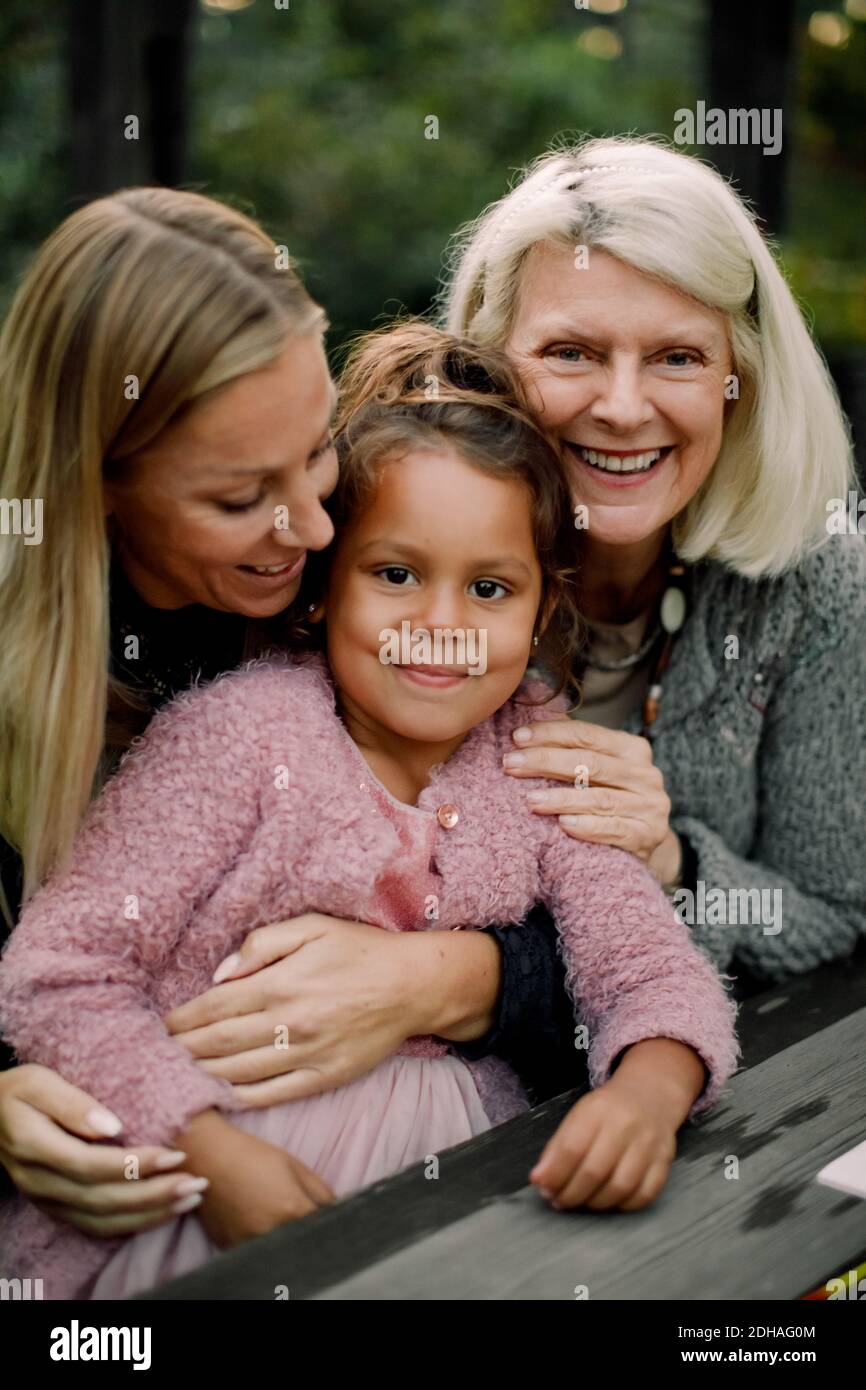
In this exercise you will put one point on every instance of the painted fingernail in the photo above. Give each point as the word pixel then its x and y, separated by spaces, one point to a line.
pixel 169 1160
pixel 514 760
pixel 104 1122
pixel 187 1185
pixel 538 798
pixel 228 967
pixel 187 1204
pixel 522 735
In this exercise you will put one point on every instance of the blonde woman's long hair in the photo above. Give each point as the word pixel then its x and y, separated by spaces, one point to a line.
pixel 786 448
pixel 135 306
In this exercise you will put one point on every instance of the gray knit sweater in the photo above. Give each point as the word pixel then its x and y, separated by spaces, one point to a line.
pixel 764 758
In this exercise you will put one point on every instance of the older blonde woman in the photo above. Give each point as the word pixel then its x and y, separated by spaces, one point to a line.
pixel 722 730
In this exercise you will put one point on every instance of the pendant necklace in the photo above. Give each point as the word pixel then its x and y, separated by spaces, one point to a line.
pixel 672 615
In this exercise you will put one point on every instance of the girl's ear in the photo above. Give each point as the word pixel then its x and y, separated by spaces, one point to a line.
pixel 543 617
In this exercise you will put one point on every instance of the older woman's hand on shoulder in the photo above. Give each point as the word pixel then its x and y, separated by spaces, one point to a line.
pixel 612 793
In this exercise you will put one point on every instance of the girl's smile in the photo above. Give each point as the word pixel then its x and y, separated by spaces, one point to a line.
pixel 435 678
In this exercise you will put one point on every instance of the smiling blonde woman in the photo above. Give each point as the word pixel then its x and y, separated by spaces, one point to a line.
pixel 722 730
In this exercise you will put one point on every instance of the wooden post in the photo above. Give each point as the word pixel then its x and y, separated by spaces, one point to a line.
pixel 127 71
pixel 749 66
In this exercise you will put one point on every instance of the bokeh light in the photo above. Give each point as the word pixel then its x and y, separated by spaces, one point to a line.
pixel 830 29
pixel 222 6
pixel 600 42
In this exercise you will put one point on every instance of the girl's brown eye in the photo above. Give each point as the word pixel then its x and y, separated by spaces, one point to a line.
pixel 484 588
pixel 394 574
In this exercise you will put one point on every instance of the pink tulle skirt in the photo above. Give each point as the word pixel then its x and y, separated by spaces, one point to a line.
pixel 395 1115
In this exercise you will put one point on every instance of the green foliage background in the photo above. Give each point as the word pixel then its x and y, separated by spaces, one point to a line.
pixel 313 118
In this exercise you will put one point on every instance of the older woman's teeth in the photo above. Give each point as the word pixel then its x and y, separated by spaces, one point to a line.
pixel 272 569
pixel 615 463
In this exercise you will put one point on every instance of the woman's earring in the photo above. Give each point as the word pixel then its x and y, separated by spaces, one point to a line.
pixel 312 608
pixel 535 641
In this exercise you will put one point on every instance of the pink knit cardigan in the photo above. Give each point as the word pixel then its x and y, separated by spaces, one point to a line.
pixel 245 803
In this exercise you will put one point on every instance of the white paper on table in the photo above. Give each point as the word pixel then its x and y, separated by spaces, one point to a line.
pixel 847 1173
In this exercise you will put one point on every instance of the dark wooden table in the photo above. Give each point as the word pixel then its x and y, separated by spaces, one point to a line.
pixel 480 1231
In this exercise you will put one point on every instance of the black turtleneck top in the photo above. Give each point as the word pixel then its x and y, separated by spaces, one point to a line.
pixel 161 651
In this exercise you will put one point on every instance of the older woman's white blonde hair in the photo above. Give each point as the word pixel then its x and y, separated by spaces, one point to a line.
pixel 786 449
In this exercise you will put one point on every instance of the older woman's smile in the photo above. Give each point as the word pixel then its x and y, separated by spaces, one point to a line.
pixel 626 465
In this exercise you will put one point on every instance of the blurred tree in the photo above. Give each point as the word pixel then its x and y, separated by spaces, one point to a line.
pixel 320 119
pixel 31 119
pixel 364 133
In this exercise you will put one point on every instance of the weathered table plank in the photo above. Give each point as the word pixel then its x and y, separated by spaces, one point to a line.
pixel 762 1235
pixel 330 1246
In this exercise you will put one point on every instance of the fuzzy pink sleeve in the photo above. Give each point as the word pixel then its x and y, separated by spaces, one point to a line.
pixel 632 968
pixel 75 981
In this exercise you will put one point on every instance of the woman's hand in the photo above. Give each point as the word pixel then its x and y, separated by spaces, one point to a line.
pixel 315 1002
pixel 50 1145
pixel 615 1147
pixel 615 793
pixel 253 1186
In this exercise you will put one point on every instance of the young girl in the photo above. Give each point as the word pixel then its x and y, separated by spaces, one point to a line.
pixel 363 781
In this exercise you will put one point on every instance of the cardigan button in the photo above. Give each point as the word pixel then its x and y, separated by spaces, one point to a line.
pixel 448 816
